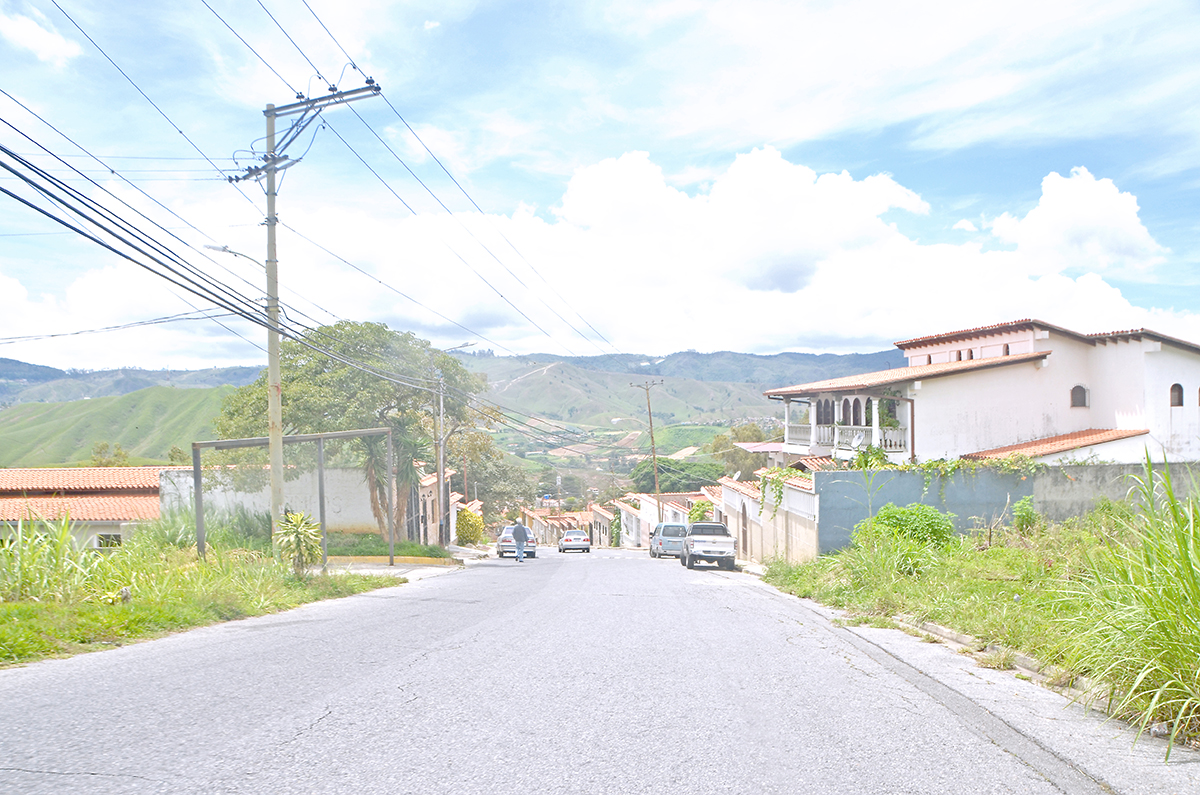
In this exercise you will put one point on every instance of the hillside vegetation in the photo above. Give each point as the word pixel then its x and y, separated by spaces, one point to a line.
pixel 146 423
pixel 766 371
pixel 30 383
pixel 562 391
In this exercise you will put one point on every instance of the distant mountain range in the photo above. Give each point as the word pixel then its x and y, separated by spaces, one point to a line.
pixel 21 382
pixel 698 387
pixel 766 371
pixel 55 416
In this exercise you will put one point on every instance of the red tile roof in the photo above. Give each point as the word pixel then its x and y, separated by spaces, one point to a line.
pixel 712 494
pixel 800 480
pixel 1058 444
pixel 995 328
pixel 816 463
pixel 81 479
pixel 86 508
pixel 899 375
pixel 607 514
pixel 1030 323
pixel 743 487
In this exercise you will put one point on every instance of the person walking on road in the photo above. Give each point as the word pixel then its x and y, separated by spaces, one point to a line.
pixel 520 534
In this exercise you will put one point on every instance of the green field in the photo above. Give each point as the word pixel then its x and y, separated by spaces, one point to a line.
pixel 146 423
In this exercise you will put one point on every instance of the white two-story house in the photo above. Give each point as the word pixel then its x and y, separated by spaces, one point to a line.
pixel 1024 387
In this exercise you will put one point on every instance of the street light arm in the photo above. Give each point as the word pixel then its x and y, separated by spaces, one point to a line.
pixel 228 250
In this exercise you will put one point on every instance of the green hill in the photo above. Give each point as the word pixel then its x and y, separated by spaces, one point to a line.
pixel 766 371
pixel 29 383
pixel 146 423
pixel 564 392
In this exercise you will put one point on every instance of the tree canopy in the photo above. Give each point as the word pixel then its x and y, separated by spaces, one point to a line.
pixel 675 475
pixel 397 390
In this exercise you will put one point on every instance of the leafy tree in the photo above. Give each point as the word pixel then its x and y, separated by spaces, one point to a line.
pixel 701 511
pixel 321 394
pixel 177 456
pixel 101 457
pixel 675 475
pixel 734 458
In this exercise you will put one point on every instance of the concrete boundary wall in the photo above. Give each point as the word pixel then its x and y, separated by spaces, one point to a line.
pixel 347 497
pixel 977 499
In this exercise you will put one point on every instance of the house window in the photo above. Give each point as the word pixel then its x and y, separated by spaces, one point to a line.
pixel 845 410
pixel 1079 397
pixel 958 356
pixel 1176 395
pixel 108 539
pixel 857 413
pixel 970 353
pixel 1005 349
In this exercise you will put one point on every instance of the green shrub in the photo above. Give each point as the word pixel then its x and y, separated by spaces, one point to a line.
pixel 918 523
pixel 1025 518
pixel 299 540
pixel 468 528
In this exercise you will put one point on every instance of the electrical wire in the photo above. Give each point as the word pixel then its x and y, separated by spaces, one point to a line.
pixel 183 316
pixel 457 184
pixel 379 177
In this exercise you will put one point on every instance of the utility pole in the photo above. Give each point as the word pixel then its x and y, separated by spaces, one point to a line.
pixel 274 161
pixel 653 450
pixel 443 500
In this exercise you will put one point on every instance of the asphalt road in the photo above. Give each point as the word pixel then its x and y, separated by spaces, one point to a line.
pixel 600 673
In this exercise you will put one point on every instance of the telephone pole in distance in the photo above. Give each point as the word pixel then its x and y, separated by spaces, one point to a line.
pixel 653 449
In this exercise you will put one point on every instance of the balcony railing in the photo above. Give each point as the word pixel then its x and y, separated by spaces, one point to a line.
pixel 847 437
pixel 799 434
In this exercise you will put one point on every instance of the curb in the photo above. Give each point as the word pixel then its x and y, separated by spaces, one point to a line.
pixel 409 559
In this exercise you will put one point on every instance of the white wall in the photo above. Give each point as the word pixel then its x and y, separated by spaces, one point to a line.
pixel 347 499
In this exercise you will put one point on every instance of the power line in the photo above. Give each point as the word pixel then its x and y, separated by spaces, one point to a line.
pixel 380 177
pixel 458 185
pixel 113 171
pixel 183 316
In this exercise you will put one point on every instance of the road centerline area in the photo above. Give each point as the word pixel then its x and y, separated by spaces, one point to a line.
pixel 574 673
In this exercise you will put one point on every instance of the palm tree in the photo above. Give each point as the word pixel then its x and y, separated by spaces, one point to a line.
pixel 408 446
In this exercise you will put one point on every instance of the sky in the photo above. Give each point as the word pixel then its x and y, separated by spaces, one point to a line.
pixel 634 177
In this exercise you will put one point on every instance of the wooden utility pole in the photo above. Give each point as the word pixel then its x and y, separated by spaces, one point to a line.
pixel 653 450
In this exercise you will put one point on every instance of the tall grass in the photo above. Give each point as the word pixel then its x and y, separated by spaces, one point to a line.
pixel 1139 631
pixel 57 597
pixel 42 561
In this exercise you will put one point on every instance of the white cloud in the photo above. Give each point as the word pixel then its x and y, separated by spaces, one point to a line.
pixel 966 226
pixel 430 24
pixel 772 256
pixel 49 47
pixel 1082 223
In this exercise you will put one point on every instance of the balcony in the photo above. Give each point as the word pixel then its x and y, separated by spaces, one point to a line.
pixel 847 437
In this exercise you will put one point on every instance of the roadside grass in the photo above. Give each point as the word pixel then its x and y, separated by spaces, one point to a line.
pixel 57 599
pixel 370 544
pixel 1113 596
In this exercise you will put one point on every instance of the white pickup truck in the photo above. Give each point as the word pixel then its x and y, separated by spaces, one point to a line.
pixel 708 541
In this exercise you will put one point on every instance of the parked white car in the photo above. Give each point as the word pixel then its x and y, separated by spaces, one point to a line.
pixel 575 539
pixel 710 542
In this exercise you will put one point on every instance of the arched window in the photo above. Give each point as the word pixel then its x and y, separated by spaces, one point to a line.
pixel 1176 395
pixel 1079 396
pixel 958 356
pixel 857 412
pixel 845 410
pixel 970 353
pixel 1006 349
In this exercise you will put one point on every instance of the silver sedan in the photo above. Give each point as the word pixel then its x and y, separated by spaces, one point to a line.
pixel 575 539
